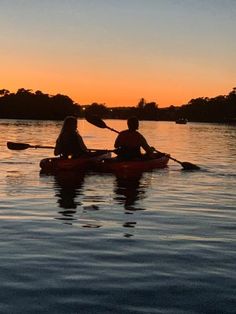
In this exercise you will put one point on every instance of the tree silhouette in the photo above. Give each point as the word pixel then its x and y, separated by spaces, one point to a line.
pixel 97 109
pixel 26 104
pixel 4 92
pixel 141 104
pixel 147 111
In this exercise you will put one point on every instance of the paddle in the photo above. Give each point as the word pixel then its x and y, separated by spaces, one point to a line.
pixel 22 146
pixel 95 120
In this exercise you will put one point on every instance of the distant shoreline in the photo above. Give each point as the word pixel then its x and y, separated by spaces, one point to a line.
pixel 28 105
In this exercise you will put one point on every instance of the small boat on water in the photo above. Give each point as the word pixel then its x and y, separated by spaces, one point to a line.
pixel 103 162
pixel 181 121
pixel 81 164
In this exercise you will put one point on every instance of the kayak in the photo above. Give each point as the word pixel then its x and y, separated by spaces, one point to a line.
pixel 83 163
pixel 132 166
pixel 102 161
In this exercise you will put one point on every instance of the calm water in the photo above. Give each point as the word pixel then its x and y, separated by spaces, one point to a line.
pixel 161 243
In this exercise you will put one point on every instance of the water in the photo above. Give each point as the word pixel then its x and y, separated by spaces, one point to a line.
pixel 160 243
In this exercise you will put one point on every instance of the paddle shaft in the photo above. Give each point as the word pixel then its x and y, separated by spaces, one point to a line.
pixel 172 158
pixel 113 130
pixel 23 146
pixel 40 146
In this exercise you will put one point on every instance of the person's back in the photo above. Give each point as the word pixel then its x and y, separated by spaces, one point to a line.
pixel 129 142
pixel 69 142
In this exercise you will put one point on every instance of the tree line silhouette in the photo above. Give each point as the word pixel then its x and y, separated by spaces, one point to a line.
pixel 26 104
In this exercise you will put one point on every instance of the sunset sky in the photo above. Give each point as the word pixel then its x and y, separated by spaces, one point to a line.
pixel 118 51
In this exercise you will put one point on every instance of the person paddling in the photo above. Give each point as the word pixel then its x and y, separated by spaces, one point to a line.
pixel 69 142
pixel 129 142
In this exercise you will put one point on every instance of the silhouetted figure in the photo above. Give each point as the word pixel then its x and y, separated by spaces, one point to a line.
pixel 69 142
pixel 128 192
pixel 69 186
pixel 129 142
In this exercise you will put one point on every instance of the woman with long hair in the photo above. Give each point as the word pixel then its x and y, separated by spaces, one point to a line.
pixel 69 142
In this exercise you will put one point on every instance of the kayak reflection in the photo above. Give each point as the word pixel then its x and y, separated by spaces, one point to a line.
pixel 128 191
pixel 82 200
pixel 68 187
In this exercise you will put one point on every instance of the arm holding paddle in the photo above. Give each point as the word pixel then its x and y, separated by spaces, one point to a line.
pixel 101 124
pixel 129 142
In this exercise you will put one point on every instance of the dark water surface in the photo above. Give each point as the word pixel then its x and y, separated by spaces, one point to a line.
pixel 163 242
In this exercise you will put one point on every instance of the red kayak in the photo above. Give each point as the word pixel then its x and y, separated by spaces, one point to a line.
pixel 83 163
pixel 132 166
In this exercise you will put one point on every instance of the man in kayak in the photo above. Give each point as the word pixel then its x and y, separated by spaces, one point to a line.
pixel 129 142
pixel 69 141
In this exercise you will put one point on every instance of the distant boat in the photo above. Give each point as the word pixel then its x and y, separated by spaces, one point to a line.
pixel 181 121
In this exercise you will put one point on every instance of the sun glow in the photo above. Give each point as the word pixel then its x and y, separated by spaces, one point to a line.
pixel 120 56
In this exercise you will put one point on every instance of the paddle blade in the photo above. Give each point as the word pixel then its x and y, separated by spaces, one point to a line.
pixel 17 146
pixel 95 120
pixel 189 166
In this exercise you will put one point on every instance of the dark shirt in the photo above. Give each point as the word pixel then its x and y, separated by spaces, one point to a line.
pixel 129 144
pixel 70 145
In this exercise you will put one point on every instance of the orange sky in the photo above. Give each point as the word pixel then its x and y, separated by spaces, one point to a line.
pixel 116 53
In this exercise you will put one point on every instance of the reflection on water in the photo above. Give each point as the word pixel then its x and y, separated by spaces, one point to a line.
pixel 78 202
pixel 119 259
pixel 128 192
pixel 70 192
pixel 68 186
pixel 13 183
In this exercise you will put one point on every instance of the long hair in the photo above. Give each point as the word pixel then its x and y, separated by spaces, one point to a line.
pixel 69 125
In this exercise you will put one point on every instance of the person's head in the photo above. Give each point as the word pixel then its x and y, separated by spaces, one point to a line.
pixel 69 124
pixel 133 123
